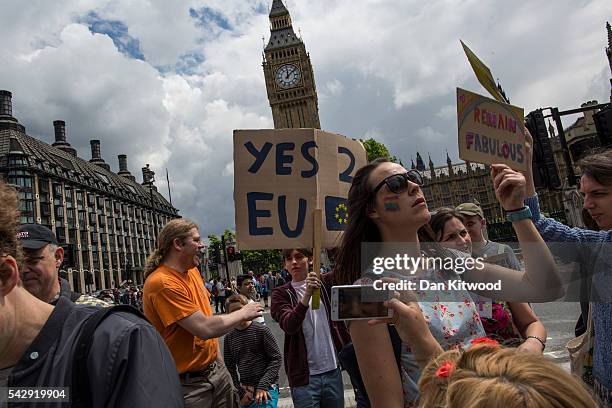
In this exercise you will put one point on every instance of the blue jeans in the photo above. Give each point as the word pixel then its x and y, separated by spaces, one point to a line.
pixel 323 391
pixel 273 403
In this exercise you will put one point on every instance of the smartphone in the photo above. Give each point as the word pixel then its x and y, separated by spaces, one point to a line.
pixel 355 302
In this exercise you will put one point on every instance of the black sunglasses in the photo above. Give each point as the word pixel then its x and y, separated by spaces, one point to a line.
pixel 398 183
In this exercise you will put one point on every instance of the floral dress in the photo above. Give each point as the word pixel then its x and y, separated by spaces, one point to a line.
pixel 453 320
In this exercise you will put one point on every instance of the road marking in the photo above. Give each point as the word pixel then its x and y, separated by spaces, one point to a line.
pixel 558 354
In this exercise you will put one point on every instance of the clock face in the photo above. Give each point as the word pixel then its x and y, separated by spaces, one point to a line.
pixel 288 76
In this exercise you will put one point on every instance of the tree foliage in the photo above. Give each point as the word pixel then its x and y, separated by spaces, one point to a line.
pixel 258 261
pixel 375 149
pixel 261 261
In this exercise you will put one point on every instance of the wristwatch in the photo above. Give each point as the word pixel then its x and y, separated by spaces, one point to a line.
pixel 519 214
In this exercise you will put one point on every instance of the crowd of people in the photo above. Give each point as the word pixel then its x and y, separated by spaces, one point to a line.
pixel 128 294
pixel 442 351
pixel 262 286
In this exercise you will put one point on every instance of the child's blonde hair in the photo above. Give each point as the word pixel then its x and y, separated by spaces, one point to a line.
pixel 486 376
pixel 236 299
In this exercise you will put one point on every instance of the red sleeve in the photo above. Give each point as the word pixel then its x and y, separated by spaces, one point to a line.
pixel 289 318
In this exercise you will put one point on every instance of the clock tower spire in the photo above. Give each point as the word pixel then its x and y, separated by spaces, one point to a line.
pixel 289 76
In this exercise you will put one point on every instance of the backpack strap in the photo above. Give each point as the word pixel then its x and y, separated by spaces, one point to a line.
pixel 81 391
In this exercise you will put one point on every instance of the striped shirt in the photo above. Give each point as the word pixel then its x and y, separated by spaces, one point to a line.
pixel 252 357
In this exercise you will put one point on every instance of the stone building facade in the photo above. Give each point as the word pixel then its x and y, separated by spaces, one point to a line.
pixel 107 221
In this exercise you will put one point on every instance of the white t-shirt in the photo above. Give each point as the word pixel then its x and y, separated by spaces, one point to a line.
pixel 319 343
pixel 220 289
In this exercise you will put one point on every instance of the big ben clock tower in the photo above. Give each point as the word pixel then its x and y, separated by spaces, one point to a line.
pixel 289 77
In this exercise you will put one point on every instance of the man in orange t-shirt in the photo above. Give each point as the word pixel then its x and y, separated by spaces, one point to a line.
pixel 177 304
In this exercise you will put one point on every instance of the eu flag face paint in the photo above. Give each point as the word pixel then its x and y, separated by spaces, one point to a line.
pixel 391 206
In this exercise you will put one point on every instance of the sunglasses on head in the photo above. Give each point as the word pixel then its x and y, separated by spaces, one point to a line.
pixel 398 183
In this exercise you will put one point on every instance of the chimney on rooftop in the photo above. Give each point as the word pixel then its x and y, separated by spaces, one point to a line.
pixel 95 150
pixel 123 167
pixel 60 131
pixel 6 104
pixel 96 157
pixel 148 177
pixel 7 121
pixel 60 138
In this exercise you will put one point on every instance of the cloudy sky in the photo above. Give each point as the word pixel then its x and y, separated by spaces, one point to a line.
pixel 166 82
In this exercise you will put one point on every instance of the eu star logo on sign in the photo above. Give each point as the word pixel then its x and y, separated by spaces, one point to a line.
pixel 336 213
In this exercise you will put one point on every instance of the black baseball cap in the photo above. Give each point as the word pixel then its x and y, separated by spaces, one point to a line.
pixel 35 236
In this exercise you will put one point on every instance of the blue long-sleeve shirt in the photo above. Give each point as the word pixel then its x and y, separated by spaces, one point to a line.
pixel 595 254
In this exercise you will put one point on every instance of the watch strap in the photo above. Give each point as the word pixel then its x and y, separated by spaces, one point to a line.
pixel 517 215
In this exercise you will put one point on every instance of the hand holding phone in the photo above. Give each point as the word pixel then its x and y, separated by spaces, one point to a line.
pixel 359 302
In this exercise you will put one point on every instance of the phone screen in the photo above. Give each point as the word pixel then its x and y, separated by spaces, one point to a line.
pixel 361 302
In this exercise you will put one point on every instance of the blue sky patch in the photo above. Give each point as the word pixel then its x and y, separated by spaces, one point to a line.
pixel 207 16
pixel 188 63
pixel 117 31
pixel 262 8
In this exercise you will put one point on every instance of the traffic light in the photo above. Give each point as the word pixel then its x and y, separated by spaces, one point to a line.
pixel 231 253
pixel 216 256
pixel 603 124
pixel 545 172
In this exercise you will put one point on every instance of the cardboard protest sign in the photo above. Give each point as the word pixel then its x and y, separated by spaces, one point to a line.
pixel 282 175
pixel 490 131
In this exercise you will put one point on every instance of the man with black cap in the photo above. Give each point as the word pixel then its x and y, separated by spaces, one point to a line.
pixel 40 273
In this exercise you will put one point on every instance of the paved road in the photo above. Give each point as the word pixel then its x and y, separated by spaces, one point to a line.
pixel 559 319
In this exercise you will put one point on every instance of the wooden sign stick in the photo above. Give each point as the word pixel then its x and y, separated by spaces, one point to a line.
pixel 316 253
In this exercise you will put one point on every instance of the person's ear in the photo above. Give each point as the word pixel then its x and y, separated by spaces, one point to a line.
pixel 483 222
pixel 177 244
pixel 59 256
pixel 9 275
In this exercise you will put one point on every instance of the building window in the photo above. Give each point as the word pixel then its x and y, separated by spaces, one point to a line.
pixel 26 219
pixel 85 255
pixel 80 201
pixel 60 233
pixel 20 178
pixel 84 239
pixel 70 218
pixel 17 160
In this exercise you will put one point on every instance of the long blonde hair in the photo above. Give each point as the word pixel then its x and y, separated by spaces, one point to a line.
pixel 176 229
pixel 485 376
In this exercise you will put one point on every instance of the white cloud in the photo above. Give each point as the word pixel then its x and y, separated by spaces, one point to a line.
pixel 428 134
pixel 334 87
pixel 447 112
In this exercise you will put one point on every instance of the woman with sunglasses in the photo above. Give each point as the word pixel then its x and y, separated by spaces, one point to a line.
pixel 386 205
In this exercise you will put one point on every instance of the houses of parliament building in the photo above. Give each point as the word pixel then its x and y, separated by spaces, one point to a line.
pixel 292 94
